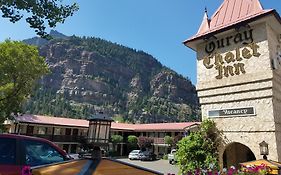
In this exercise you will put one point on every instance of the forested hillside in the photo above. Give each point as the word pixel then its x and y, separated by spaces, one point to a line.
pixel 90 74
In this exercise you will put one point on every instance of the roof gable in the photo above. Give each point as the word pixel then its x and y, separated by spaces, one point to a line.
pixel 232 11
pixel 229 13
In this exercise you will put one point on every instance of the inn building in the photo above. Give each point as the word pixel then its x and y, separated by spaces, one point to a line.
pixel 68 133
pixel 239 78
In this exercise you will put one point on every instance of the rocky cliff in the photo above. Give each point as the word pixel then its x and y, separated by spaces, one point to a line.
pixel 91 74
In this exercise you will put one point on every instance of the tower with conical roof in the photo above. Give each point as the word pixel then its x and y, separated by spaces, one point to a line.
pixel 239 78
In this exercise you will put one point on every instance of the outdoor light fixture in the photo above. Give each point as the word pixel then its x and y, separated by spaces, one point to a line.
pixel 99 130
pixel 264 149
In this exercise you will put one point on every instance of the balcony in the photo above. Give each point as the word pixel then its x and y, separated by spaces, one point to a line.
pixel 61 138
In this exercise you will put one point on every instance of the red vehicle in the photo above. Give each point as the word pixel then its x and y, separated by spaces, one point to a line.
pixel 18 153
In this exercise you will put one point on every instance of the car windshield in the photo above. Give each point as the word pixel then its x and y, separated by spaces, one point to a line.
pixel 135 151
pixel 7 151
pixel 40 153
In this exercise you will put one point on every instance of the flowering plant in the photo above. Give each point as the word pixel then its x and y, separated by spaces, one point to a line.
pixel 26 170
pixel 256 169
pixel 245 170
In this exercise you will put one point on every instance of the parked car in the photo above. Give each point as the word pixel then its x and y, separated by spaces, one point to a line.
pixel 74 156
pixel 147 156
pixel 135 154
pixel 172 157
pixel 18 153
pixel 88 153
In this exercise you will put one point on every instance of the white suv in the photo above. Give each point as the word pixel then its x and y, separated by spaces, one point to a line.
pixel 135 154
pixel 172 156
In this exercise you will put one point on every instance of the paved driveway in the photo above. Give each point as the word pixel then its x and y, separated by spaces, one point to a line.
pixel 162 166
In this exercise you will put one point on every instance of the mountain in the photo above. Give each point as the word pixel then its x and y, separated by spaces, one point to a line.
pixel 41 41
pixel 90 74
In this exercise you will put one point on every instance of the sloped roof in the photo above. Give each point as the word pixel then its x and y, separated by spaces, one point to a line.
pixel 48 120
pixel 230 12
pixel 164 126
pixel 59 121
pixel 122 126
pixel 154 126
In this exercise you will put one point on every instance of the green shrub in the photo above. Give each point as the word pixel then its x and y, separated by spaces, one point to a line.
pixel 133 140
pixel 116 139
pixel 165 157
pixel 169 140
pixel 199 149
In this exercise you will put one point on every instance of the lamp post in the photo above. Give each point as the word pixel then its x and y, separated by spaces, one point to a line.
pixel 99 132
pixel 264 149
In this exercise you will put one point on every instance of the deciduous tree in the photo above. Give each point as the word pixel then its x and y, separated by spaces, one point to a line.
pixel 132 142
pixel 168 140
pixel 37 12
pixel 115 139
pixel 145 142
pixel 20 67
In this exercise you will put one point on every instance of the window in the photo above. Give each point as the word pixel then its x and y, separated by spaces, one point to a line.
pixel 84 132
pixel 42 130
pixel 67 131
pixel 75 132
pixel 7 151
pixel 40 153
pixel 29 130
pixel 162 135
pixel 65 147
pixel 168 133
pixel 73 149
pixel 57 131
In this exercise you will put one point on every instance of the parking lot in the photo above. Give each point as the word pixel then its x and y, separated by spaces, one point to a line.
pixel 162 166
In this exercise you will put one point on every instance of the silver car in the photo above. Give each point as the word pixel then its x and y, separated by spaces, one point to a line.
pixel 135 154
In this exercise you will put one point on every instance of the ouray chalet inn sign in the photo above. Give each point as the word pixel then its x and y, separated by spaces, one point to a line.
pixel 230 63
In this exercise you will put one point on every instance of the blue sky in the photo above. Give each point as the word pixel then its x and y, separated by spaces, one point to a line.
pixel 157 27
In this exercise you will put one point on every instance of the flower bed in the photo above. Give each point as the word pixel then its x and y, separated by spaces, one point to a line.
pixel 244 170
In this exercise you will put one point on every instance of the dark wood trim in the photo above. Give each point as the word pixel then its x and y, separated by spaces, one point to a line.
pixel 53 133
pixel 16 125
pixel 106 131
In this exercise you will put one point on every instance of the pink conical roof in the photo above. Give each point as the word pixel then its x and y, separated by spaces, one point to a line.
pixel 232 11
pixel 229 13
pixel 205 25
